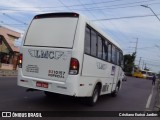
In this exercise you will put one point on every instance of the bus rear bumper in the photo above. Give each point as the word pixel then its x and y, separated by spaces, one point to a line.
pixel 64 88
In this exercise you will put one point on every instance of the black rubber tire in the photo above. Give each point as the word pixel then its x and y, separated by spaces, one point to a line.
pixel 115 92
pixel 94 98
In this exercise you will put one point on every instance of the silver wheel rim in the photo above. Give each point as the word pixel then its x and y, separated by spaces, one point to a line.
pixel 95 96
pixel 117 89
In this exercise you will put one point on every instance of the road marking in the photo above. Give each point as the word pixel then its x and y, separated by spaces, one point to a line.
pixel 149 99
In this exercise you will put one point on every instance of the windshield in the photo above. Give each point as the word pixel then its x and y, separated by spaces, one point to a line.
pixel 150 73
pixel 52 32
pixel 143 72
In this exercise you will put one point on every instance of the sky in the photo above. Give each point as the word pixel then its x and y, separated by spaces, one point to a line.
pixel 123 20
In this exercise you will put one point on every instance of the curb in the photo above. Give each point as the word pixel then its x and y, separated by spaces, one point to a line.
pixel 7 76
pixel 157 105
pixel 8 73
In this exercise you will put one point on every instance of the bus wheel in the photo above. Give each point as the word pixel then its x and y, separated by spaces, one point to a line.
pixel 115 92
pixel 93 99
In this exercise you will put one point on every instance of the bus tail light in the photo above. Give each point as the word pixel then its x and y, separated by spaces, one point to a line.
pixel 20 60
pixel 74 66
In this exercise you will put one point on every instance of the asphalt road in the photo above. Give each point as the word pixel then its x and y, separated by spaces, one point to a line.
pixel 132 97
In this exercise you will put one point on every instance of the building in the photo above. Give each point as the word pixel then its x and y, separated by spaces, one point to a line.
pixel 8 51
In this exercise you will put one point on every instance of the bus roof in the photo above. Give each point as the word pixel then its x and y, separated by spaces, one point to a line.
pixel 84 18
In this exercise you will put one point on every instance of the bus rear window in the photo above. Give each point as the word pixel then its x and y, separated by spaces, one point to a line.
pixel 143 72
pixel 52 32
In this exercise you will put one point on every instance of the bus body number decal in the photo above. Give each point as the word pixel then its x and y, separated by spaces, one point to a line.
pixel 57 74
pixel 101 66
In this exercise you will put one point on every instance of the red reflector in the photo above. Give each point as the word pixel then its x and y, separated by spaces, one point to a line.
pixel 75 14
pixel 36 17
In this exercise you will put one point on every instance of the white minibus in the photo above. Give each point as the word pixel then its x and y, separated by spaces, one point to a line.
pixel 64 53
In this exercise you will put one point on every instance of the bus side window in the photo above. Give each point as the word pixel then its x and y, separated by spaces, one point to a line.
pixel 87 47
pixel 109 52
pixel 105 50
pixel 121 60
pixel 93 43
pixel 99 51
pixel 113 54
pixel 117 58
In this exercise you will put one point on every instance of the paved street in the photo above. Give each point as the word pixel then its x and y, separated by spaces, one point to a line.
pixel 132 97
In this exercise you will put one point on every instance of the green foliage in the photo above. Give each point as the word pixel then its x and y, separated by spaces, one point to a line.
pixel 129 62
pixel 158 75
pixel 146 69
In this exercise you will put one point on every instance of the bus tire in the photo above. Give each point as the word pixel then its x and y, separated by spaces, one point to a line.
pixel 93 99
pixel 115 92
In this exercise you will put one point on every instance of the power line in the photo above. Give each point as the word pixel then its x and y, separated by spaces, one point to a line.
pixel 12 24
pixel 156 60
pixel 95 16
pixel 122 34
pixel 75 9
pixel 126 17
pixel 65 5
pixel 122 4
pixel 157 65
pixel 71 5
pixel 3 23
pixel 117 6
pixel 88 9
pixel 104 8
pixel 150 60
pixel 151 11
pixel 157 46
pixel 116 18
pixel 14 18
pixel 145 47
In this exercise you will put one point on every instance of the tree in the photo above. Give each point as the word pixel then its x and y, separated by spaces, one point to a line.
pixel 147 69
pixel 158 74
pixel 129 62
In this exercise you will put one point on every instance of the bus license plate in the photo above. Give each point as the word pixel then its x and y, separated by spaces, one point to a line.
pixel 42 84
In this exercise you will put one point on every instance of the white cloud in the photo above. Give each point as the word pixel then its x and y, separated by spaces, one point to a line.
pixel 17 6
pixel 123 30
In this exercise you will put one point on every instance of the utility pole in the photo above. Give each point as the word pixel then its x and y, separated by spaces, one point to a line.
pixel 143 65
pixel 139 62
pixel 151 11
pixel 135 53
pixel 136 45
